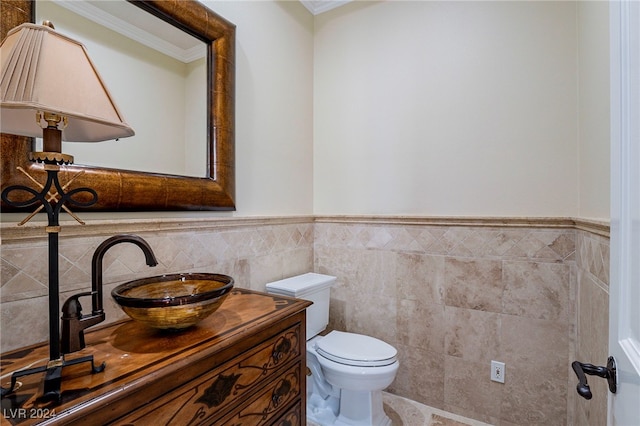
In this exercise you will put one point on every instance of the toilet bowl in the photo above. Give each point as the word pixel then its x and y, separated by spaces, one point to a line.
pixel 359 367
pixel 348 370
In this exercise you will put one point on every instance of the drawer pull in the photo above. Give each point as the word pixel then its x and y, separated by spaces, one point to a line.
pixel 281 349
pixel 219 390
pixel 283 389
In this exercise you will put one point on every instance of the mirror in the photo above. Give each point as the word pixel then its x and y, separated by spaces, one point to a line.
pixel 124 190
pixel 128 46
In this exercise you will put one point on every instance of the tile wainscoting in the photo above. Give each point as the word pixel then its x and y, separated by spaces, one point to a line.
pixel 450 293
pixel 252 251
pixel 592 325
pixel 454 294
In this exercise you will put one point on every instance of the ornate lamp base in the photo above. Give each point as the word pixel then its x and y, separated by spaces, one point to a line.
pixel 52 198
pixel 52 377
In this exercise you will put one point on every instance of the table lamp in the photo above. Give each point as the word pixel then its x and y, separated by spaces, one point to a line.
pixel 49 88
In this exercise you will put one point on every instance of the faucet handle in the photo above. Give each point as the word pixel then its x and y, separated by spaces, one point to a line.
pixel 72 307
pixel 74 323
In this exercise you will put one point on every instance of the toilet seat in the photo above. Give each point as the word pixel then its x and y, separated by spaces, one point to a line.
pixel 355 349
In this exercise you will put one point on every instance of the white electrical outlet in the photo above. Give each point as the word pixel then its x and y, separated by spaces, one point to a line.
pixel 497 371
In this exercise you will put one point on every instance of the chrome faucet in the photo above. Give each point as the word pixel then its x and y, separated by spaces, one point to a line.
pixel 73 322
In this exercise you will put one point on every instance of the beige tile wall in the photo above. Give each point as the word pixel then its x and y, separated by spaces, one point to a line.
pixel 253 252
pixel 592 325
pixel 452 298
pixel 451 295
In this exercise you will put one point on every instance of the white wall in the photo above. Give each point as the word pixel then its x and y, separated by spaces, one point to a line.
pixel 594 105
pixel 274 110
pixel 446 108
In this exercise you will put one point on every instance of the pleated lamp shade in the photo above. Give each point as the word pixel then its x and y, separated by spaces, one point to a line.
pixel 44 71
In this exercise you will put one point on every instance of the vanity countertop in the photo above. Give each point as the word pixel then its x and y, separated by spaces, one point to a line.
pixel 144 364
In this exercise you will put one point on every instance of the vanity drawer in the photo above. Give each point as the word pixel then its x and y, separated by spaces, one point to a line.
pixel 267 404
pixel 213 393
pixel 293 417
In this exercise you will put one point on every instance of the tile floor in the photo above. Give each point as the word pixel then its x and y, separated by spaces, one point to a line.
pixel 404 412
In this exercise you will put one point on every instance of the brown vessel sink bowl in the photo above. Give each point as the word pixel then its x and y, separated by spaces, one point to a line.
pixel 175 301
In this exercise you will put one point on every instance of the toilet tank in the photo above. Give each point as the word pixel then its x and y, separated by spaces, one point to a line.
pixel 312 287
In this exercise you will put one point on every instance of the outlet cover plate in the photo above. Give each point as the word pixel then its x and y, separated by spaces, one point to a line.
pixel 497 371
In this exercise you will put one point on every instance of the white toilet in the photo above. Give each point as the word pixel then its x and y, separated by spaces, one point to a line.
pixel 348 371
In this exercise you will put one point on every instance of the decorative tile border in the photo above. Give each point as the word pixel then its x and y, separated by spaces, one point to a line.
pixel 35 230
pixel 590 225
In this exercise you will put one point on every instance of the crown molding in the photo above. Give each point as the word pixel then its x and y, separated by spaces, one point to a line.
pixel 319 6
pixel 131 30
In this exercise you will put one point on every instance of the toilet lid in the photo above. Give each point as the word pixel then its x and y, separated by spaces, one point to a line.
pixel 356 349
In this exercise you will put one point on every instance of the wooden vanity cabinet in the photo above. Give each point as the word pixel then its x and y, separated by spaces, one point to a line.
pixel 244 365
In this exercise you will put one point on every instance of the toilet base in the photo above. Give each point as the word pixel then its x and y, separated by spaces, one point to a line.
pixel 354 408
pixel 359 408
pixel 322 411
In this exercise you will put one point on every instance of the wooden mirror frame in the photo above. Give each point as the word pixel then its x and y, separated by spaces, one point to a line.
pixel 123 190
